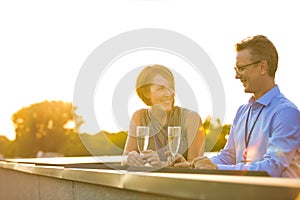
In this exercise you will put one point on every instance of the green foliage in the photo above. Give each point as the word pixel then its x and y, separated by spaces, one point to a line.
pixel 117 139
pixel 4 145
pixel 215 134
pixel 104 143
pixel 41 126
pixel 74 146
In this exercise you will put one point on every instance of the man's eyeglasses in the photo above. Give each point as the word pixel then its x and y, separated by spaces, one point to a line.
pixel 240 69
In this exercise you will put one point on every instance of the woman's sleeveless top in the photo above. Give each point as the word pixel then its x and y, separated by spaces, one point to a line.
pixel 159 134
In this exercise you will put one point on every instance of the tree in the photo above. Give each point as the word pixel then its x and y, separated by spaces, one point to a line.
pixel 43 126
pixel 4 144
pixel 74 146
pixel 104 143
pixel 215 134
pixel 117 139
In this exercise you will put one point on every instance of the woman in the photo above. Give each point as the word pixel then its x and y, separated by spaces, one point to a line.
pixel 155 87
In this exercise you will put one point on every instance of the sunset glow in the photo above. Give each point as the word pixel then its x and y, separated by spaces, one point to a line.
pixel 42 52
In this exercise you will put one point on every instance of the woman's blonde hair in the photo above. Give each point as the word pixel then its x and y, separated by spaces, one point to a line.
pixel 145 79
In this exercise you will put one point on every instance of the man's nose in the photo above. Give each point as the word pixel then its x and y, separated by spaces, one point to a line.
pixel 237 75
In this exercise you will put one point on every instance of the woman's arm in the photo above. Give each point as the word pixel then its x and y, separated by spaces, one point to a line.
pixel 130 149
pixel 131 142
pixel 195 136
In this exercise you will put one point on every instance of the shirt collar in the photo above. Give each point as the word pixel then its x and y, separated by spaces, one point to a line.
pixel 267 97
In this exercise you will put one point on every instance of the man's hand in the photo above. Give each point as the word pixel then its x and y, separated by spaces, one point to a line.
pixel 203 163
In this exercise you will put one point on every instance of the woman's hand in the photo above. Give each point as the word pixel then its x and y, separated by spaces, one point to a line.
pixel 151 157
pixel 178 161
pixel 135 159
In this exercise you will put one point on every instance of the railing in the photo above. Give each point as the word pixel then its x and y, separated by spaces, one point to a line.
pixel 105 178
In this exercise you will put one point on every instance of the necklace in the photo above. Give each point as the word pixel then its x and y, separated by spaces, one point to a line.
pixel 248 136
pixel 162 151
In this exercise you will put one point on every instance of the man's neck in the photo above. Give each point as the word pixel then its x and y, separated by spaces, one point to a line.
pixel 264 90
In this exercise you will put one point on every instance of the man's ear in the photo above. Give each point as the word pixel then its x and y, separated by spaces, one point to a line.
pixel 264 66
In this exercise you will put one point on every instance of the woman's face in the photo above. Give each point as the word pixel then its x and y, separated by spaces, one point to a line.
pixel 161 92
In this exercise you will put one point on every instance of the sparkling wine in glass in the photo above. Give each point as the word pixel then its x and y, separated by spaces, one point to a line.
pixel 174 135
pixel 142 136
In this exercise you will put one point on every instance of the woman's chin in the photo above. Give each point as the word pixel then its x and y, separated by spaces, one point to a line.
pixel 166 108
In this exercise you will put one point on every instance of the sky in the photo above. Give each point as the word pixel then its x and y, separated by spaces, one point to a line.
pixel 44 44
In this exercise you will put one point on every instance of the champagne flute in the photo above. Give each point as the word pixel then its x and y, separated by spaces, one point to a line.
pixel 142 133
pixel 174 135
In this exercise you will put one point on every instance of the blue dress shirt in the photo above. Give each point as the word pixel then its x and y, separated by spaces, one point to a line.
pixel 274 145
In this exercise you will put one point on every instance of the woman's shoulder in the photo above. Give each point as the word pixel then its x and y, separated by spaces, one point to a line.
pixel 140 111
pixel 138 114
pixel 187 113
pixel 192 115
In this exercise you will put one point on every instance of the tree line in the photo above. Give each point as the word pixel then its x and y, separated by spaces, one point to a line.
pixel 53 126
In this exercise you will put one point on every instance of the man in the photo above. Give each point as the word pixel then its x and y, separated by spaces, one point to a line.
pixel 265 134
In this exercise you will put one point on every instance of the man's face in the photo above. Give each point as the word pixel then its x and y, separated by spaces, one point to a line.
pixel 248 73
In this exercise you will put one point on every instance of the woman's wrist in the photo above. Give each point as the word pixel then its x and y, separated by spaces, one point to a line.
pixel 164 164
pixel 190 164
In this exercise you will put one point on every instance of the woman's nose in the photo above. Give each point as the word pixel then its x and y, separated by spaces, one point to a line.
pixel 168 92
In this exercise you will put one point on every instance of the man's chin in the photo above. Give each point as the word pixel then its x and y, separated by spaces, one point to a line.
pixel 246 90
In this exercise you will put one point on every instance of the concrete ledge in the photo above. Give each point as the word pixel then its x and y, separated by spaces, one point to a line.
pixel 20 180
pixel 18 185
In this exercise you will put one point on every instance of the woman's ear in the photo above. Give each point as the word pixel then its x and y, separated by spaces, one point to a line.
pixel 146 92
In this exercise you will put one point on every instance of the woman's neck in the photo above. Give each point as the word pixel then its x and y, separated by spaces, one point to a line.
pixel 160 114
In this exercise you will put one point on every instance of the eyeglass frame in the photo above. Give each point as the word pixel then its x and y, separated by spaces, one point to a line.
pixel 240 69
